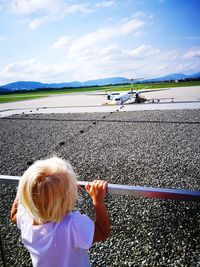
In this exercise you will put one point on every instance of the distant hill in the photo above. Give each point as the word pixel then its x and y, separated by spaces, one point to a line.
pixel 195 75
pixel 175 76
pixel 113 81
pixel 31 85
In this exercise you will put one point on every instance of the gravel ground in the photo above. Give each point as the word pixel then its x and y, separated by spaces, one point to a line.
pixel 152 148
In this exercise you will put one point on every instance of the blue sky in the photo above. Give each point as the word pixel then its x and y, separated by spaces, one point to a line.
pixel 68 40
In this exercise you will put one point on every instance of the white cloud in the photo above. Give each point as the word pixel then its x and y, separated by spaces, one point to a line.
pixel 77 8
pixel 143 61
pixel 130 26
pixel 95 54
pixel 95 40
pixel 1 6
pixel 26 7
pixel 34 70
pixel 171 55
pixel 2 39
pixel 138 33
pixel 144 51
pixel 100 53
pixel 138 14
pixel 58 13
pixel 35 67
pixel 192 53
pixel 37 12
pixel 36 22
pixel 62 42
pixel 107 61
pixel 111 50
pixel 172 62
pixel 105 4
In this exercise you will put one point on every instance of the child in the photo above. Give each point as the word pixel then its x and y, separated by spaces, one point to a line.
pixel 53 234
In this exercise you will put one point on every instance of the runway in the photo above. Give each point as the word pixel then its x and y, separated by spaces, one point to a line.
pixel 174 98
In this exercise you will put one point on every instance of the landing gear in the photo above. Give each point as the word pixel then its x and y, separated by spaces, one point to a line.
pixel 139 99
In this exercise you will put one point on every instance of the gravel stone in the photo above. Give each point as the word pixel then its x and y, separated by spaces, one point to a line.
pixel 146 148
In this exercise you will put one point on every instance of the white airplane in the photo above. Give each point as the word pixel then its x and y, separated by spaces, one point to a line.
pixel 121 98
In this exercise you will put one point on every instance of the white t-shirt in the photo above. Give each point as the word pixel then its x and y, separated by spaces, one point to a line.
pixel 62 244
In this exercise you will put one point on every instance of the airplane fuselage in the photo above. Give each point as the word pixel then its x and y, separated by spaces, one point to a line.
pixel 122 98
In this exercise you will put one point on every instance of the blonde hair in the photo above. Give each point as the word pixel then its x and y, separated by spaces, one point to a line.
pixel 48 189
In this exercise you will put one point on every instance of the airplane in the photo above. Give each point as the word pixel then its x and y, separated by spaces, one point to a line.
pixel 121 98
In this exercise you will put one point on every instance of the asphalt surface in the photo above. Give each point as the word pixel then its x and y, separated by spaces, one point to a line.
pixel 147 148
pixel 166 99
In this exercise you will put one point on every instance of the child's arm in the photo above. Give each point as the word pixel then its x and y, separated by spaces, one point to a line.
pixel 97 191
pixel 13 214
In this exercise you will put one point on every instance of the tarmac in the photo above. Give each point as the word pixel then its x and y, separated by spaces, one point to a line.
pixel 169 99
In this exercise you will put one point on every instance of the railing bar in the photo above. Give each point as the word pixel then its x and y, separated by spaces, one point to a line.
pixel 137 191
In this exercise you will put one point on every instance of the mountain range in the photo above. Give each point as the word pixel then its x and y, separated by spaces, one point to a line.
pixel 173 77
pixel 31 85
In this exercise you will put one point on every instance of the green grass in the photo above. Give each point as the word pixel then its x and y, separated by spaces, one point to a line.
pixel 13 98
pixel 152 86
pixel 34 95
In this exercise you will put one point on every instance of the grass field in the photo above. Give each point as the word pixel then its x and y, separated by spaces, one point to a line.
pixel 33 95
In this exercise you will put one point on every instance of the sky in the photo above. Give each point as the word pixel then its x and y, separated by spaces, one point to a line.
pixel 73 40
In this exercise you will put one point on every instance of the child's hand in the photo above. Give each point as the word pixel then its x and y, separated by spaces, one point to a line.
pixel 97 191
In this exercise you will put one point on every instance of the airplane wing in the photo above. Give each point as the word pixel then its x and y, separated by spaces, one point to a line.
pixel 112 93
pixel 106 93
pixel 149 90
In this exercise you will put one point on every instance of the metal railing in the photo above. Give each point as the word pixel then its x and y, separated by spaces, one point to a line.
pixel 137 191
pixel 116 189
